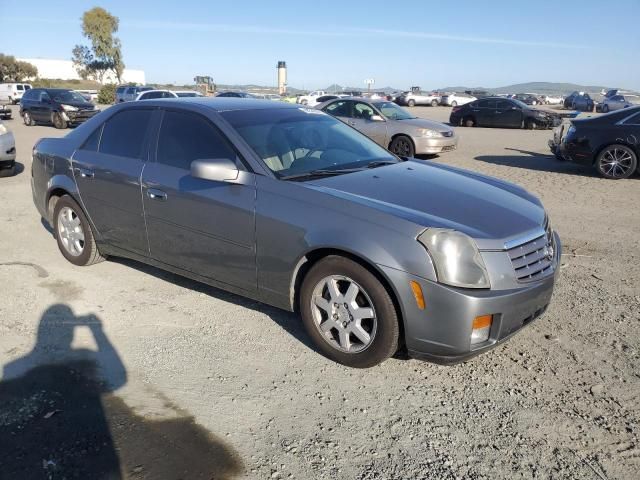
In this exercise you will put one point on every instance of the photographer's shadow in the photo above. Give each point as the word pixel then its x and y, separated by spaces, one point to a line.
pixel 59 418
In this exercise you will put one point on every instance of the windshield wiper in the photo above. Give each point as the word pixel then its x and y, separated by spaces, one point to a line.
pixel 381 163
pixel 319 173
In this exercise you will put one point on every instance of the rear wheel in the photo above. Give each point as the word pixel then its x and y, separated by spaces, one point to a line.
pixel 454 104
pixel 348 313
pixel 616 162
pixel 73 233
pixel 468 122
pixel 58 121
pixel 28 119
pixel 605 108
pixel 529 124
pixel 402 146
pixel 411 103
pixel 434 103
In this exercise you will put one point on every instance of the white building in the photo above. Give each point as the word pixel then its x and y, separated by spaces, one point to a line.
pixel 64 70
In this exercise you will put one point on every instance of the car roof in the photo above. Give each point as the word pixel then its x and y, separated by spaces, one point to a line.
pixel 224 104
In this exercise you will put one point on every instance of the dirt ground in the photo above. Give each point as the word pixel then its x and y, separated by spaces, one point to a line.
pixel 120 370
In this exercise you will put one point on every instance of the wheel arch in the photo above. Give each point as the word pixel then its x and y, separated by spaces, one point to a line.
pixel 59 185
pixel 400 134
pixel 310 258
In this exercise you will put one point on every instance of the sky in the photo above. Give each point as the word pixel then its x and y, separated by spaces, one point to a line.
pixel 398 44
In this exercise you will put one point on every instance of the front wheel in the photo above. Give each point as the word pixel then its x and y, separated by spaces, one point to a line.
pixel 58 121
pixel 348 313
pixel 454 104
pixel 73 233
pixel 402 146
pixel 616 162
pixel 28 119
pixel 411 103
pixel 434 103
pixel 468 122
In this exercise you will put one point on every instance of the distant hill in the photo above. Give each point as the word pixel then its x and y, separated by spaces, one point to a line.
pixel 535 87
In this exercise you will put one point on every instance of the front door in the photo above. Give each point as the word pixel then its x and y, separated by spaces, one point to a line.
pixel 40 107
pixel 107 169
pixel 508 114
pixel 202 226
pixel 362 120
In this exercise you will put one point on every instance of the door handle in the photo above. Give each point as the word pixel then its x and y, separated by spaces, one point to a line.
pixel 85 173
pixel 156 194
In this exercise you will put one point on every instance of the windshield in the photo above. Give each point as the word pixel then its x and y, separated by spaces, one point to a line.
pixel 301 140
pixel 393 111
pixel 519 103
pixel 68 96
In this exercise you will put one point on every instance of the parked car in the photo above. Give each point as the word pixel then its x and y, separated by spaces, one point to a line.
pixel 392 127
pixel 501 112
pixel 527 98
pixel 58 106
pixel 187 93
pixel 326 98
pixel 411 99
pixel 13 92
pixel 291 207
pixel 7 151
pixel 5 112
pixel 455 99
pixel 478 93
pixel 609 143
pixel 128 93
pixel 89 95
pixel 153 94
pixel 235 95
pixel 617 102
pixel 311 98
pixel 552 99
pixel 579 101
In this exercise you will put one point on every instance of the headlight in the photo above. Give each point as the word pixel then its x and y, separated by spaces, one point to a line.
pixel 69 108
pixel 426 132
pixel 456 257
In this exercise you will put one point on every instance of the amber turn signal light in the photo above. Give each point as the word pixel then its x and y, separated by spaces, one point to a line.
pixel 417 293
pixel 482 321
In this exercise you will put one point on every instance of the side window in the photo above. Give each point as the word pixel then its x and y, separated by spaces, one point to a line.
pixel 339 109
pixel 185 137
pixel 362 110
pixel 120 90
pixel 29 95
pixel 635 120
pixel 124 133
pixel 91 143
pixel 19 87
pixel 504 105
pixel 166 95
pixel 483 104
pixel 44 97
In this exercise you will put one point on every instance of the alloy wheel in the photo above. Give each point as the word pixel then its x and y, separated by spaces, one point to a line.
pixel 344 314
pixel 616 162
pixel 402 147
pixel 70 231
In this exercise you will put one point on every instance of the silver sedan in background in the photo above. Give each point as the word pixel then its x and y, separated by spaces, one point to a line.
pixel 7 151
pixel 392 127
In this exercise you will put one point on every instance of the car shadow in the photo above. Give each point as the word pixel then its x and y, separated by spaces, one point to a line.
pixel 537 161
pixel 61 419
pixel 288 321
pixel 14 172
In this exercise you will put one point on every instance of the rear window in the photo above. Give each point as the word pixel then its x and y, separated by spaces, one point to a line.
pixel 19 87
pixel 124 134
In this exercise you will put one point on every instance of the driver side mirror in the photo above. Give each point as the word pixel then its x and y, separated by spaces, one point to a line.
pixel 215 169
pixel 376 118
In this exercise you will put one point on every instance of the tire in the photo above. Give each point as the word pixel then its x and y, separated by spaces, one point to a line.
pixel 28 119
pixel 303 102
pixel 454 104
pixel 331 320
pixel 605 108
pixel 8 172
pixel 434 103
pixel 616 162
pixel 469 122
pixel 402 146
pixel 411 103
pixel 73 233
pixel 58 121
pixel 529 124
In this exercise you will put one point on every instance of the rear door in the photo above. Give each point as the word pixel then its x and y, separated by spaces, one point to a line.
pixel 203 226
pixel 41 106
pixel 508 114
pixel 107 169
pixel 484 113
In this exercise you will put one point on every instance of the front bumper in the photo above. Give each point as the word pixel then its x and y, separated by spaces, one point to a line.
pixel 430 146
pixel 441 332
pixel 79 116
pixel 7 149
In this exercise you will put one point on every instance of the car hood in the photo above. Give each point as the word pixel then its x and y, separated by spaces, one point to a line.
pixel 83 105
pixel 422 123
pixel 430 195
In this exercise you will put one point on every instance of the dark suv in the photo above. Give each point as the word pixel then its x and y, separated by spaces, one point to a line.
pixel 57 106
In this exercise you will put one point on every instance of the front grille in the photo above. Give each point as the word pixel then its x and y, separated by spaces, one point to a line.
pixel 448 148
pixel 533 259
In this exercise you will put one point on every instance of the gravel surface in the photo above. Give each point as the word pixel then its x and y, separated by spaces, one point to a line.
pixel 192 382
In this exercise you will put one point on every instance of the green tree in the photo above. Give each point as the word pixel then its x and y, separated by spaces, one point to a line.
pixel 12 70
pixel 105 53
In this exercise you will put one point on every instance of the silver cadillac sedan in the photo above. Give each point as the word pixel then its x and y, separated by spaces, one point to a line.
pixel 289 206
pixel 392 127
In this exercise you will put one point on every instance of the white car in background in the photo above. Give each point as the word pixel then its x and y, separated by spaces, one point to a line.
pixel 155 94
pixel 553 99
pixel 311 99
pixel 187 93
pixel 455 99
pixel 7 152
pixel 12 92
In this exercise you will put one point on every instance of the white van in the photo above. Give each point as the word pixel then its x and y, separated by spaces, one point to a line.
pixel 12 92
